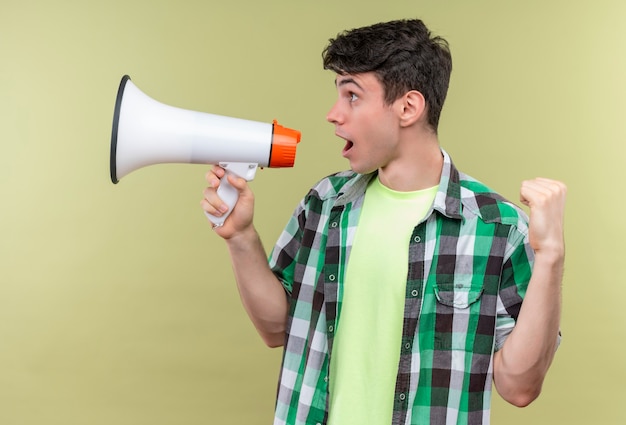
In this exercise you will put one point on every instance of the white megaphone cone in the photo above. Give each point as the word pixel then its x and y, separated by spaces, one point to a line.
pixel 147 132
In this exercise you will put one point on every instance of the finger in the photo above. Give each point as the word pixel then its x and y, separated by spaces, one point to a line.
pixel 540 183
pixel 214 175
pixel 536 184
pixel 217 169
pixel 541 190
pixel 551 182
pixel 238 183
pixel 529 190
pixel 214 204
pixel 215 210
pixel 558 188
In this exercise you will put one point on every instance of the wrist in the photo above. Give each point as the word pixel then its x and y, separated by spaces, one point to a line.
pixel 553 258
pixel 243 238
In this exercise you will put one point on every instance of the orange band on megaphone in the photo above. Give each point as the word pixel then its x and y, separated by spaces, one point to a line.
pixel 284 142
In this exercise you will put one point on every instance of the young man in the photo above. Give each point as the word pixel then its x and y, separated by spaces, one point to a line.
pixel 401 288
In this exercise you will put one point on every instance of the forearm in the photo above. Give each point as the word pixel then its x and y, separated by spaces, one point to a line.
pixel 262 294
pixel 521 364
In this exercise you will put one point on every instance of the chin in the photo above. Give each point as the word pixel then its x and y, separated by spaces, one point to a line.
pixel 362 169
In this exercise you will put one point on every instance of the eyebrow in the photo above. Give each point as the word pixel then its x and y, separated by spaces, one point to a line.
pixel 345 81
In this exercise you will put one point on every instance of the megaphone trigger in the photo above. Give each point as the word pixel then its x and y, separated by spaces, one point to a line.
pixel 244 170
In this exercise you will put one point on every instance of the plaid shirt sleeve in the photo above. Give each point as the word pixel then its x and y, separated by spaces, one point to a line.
pixel 516 272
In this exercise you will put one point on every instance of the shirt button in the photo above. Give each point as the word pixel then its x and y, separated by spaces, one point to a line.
pixel 414 292
pixel 333 224
pixel 331 328
pixel 402 396
pixel 417 239
pixel 407 346
pixel 331 277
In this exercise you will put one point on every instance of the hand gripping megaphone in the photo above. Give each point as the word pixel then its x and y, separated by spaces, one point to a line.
pixel 147 132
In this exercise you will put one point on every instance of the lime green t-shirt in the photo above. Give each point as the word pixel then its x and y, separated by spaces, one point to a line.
pixel 366 349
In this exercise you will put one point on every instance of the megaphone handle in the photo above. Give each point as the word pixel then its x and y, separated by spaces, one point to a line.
pixel 227 192
pixel 229 195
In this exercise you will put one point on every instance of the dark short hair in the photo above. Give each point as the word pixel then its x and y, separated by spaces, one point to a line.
pixel 402 54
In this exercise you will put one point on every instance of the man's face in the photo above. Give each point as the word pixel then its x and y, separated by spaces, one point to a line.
pixel 368 125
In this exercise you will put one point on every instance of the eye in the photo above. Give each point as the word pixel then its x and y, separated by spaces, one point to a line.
pixel 353 97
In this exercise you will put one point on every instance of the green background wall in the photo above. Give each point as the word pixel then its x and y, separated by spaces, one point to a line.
pixel 117 302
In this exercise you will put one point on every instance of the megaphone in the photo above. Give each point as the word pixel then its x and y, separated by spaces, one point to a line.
pixel 147 132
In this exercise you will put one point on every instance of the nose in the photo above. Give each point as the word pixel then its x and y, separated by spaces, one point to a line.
pixel 334 115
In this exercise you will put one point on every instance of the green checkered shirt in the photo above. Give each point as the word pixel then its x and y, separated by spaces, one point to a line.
pixel 469 266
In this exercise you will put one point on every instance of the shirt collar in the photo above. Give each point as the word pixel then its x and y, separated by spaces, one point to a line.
pixel 447 200
pixel 448 197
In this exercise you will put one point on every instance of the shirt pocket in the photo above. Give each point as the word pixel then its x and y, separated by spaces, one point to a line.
pixel 460 293
pixel 456 316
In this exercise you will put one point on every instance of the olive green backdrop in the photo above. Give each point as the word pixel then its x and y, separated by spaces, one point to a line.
pixel 117 302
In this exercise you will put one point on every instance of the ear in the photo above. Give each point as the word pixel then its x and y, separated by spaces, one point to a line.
pixel 412 108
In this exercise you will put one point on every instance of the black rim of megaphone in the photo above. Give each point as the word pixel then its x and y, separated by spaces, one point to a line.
pixel 116 121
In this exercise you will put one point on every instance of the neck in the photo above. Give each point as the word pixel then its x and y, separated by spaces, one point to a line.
pixel 418 165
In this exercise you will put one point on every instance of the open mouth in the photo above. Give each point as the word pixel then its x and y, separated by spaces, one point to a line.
pixel 347 147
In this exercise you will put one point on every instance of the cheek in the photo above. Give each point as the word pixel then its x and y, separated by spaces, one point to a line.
pixel 379 131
